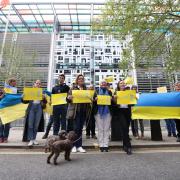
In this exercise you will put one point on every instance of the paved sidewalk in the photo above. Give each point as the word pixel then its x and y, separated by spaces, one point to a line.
pixel 15 138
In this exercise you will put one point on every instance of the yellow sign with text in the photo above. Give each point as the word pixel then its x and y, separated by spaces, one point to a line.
pixel 82 96
pixel 57 99
pixel 103 100
pixel 32 94
pixel 162 89
pixel 126 97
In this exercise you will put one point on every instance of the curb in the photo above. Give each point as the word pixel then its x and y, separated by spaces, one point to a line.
pixel 138 146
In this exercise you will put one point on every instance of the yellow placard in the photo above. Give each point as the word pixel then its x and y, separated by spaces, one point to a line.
pixel 162 89
pixel 32 94
pixel 82 96
pixel 126 97
pixel 109 79
pixel 8 90
pixel 129 80
pixel 57 99
pixel 103 100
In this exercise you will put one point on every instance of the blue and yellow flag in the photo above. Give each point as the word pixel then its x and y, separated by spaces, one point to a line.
pixel 11 108
pixel 157 106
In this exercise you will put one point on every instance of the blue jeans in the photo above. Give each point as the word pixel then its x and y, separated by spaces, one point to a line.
pixel 34 120
pixel 170 125
pixel 59 117
pixel 4 130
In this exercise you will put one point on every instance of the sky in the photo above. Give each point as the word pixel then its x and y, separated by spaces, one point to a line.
pixel 66 1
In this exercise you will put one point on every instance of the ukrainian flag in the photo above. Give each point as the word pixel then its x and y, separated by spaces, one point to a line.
pixel 157 106
pixel 11 108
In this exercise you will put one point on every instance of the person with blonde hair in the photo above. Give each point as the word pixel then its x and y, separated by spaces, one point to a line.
pixel 10 87
pixel 34 119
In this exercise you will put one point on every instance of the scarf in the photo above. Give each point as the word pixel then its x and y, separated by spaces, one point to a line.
pixel 103 110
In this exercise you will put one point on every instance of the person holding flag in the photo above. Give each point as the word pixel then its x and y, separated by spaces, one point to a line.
pixel 10 87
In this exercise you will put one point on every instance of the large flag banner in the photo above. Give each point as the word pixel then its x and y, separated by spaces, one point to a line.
pixel 103 100
pixel 11 108
pixel 126 97
pixel 157 106
pixel 32 94
pixel 82 96
pixel 57 99
pixel 4 3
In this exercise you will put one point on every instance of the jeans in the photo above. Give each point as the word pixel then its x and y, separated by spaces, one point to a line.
pixel 59 116
pixel 4 130
pixel 34 120
pixel 170 125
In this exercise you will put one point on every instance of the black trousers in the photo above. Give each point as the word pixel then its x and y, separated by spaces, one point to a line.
pixel 156 134
pixel 177 121
pixel 124 115
pixel 90 126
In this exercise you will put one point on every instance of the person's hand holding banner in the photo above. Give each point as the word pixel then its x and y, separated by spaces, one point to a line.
pixel 126 97
pixel 82 96
pixel 57 99
pixel 32 94
pixel 103 100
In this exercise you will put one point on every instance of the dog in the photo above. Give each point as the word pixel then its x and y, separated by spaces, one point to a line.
pixel 62 145
pixel 53 138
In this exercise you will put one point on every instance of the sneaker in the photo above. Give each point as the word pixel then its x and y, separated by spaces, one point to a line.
pixel 178 139
pixel 74 150
pixel 45 136
pixel 174 135
pixel 80 149
pixel 106 149
pixel 101 149
pixel 31 142
pixel 35 142
pixel 94 137
pixel 169 135
pixel 1 140
pixel 5 140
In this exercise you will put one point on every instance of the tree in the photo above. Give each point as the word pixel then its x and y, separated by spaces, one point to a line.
pixel 16 64
pixel 149 27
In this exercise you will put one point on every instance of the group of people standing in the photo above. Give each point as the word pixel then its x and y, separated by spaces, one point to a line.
pixel 73 116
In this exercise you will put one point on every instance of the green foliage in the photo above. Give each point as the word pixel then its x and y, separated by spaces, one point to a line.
pixel 16 64
pixel 145 25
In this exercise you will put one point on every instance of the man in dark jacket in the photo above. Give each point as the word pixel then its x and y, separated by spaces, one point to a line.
pixel 59 111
